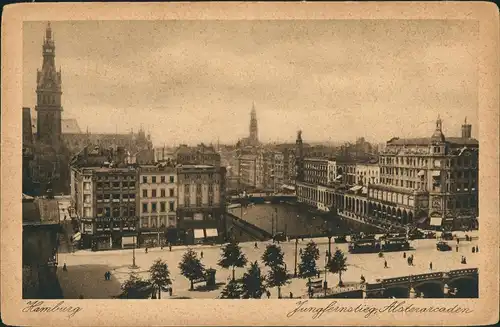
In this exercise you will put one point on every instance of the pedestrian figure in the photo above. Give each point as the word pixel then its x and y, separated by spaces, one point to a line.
pixel 385 263
pixel 201 254
pixel 268 294
pixel 473 249
pixel 64 267
pixel 255 245
pixel 170 291
pixel 146 250
pixel 430 266
pixel 291 295
pixel 408 260
pixel 477 249
pixel 106 275
pixel 404 254
pixel 170 247
pixel 363 280
pixel 457 247
pixel 319 274
pixel 458 240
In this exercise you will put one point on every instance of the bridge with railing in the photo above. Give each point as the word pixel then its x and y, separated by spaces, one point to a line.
pixel 431 285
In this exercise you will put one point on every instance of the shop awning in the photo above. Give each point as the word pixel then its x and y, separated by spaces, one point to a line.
pixel 436 221
pixel 436 173
pixel 198 233
pixel 77 236
pixel 421 220
pixel 356 188
pixel 212 232
pixel 128 240
pixel 338 177
pixel 421 173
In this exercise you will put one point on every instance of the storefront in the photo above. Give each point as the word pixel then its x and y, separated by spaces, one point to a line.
pixel 148 238
pixel 102 241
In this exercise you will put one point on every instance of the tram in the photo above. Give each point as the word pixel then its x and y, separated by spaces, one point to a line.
pixel 364 245
pixel 395 244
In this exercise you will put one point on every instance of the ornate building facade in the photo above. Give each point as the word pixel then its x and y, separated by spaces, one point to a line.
pixel 422 182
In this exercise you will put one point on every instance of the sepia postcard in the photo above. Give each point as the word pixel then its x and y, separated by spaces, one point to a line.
pixel 266 164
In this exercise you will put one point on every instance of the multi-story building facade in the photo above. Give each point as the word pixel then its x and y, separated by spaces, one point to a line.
pixel 247 170
pixel 424 181
pixel 201 203
pixel 105 202
pixel 316 171
pixel 278 171
pixel 367 173
pixel 157 202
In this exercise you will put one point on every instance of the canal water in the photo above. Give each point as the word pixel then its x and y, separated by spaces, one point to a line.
pixel 297 221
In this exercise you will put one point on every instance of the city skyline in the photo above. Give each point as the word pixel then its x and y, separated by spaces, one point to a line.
pixel 317 76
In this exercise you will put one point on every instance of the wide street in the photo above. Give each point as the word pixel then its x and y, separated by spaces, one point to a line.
pixel 85 275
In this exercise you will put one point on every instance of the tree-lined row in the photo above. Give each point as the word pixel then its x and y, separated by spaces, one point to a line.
pixel 252 284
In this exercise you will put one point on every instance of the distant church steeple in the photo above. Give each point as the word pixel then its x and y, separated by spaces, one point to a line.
pixel 254 132
pixel 49 127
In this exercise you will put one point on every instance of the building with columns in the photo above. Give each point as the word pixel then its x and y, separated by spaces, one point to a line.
pixel 423 182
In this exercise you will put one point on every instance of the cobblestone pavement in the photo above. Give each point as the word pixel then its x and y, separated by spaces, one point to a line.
pixel 86 269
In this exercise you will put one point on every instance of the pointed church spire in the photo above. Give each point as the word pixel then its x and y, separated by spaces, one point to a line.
pixel 48 32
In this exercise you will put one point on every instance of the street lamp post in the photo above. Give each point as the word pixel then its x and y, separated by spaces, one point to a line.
pixel 325 284
pixel 295 266
pixel 134 266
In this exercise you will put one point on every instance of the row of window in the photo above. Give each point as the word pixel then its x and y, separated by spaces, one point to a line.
pixel 101 185
pixel 113 212
pixel 187 188
pixel 171 193
pixel 153 222
pixel 115 177
pixel 199 202
pixel 153 207
pixel 108 196
pixel 155 179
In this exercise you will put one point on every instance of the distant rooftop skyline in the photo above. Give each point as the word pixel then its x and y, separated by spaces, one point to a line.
pixel 195 81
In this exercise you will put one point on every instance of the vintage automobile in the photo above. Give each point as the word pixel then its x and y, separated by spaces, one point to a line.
pixel 281 237
pixel 443 246
pixel 446 236
pixel 416 235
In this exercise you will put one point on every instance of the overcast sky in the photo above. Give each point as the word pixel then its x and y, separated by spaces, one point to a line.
pixel 195 81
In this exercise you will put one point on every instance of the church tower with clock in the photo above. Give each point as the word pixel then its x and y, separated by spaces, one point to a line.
pixel 49 93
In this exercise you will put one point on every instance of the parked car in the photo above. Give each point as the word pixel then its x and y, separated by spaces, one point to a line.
pixel 443 246
pixel 447 236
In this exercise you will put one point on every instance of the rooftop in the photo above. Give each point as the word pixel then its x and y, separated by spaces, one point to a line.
pixel 40 211
pixel 427 141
